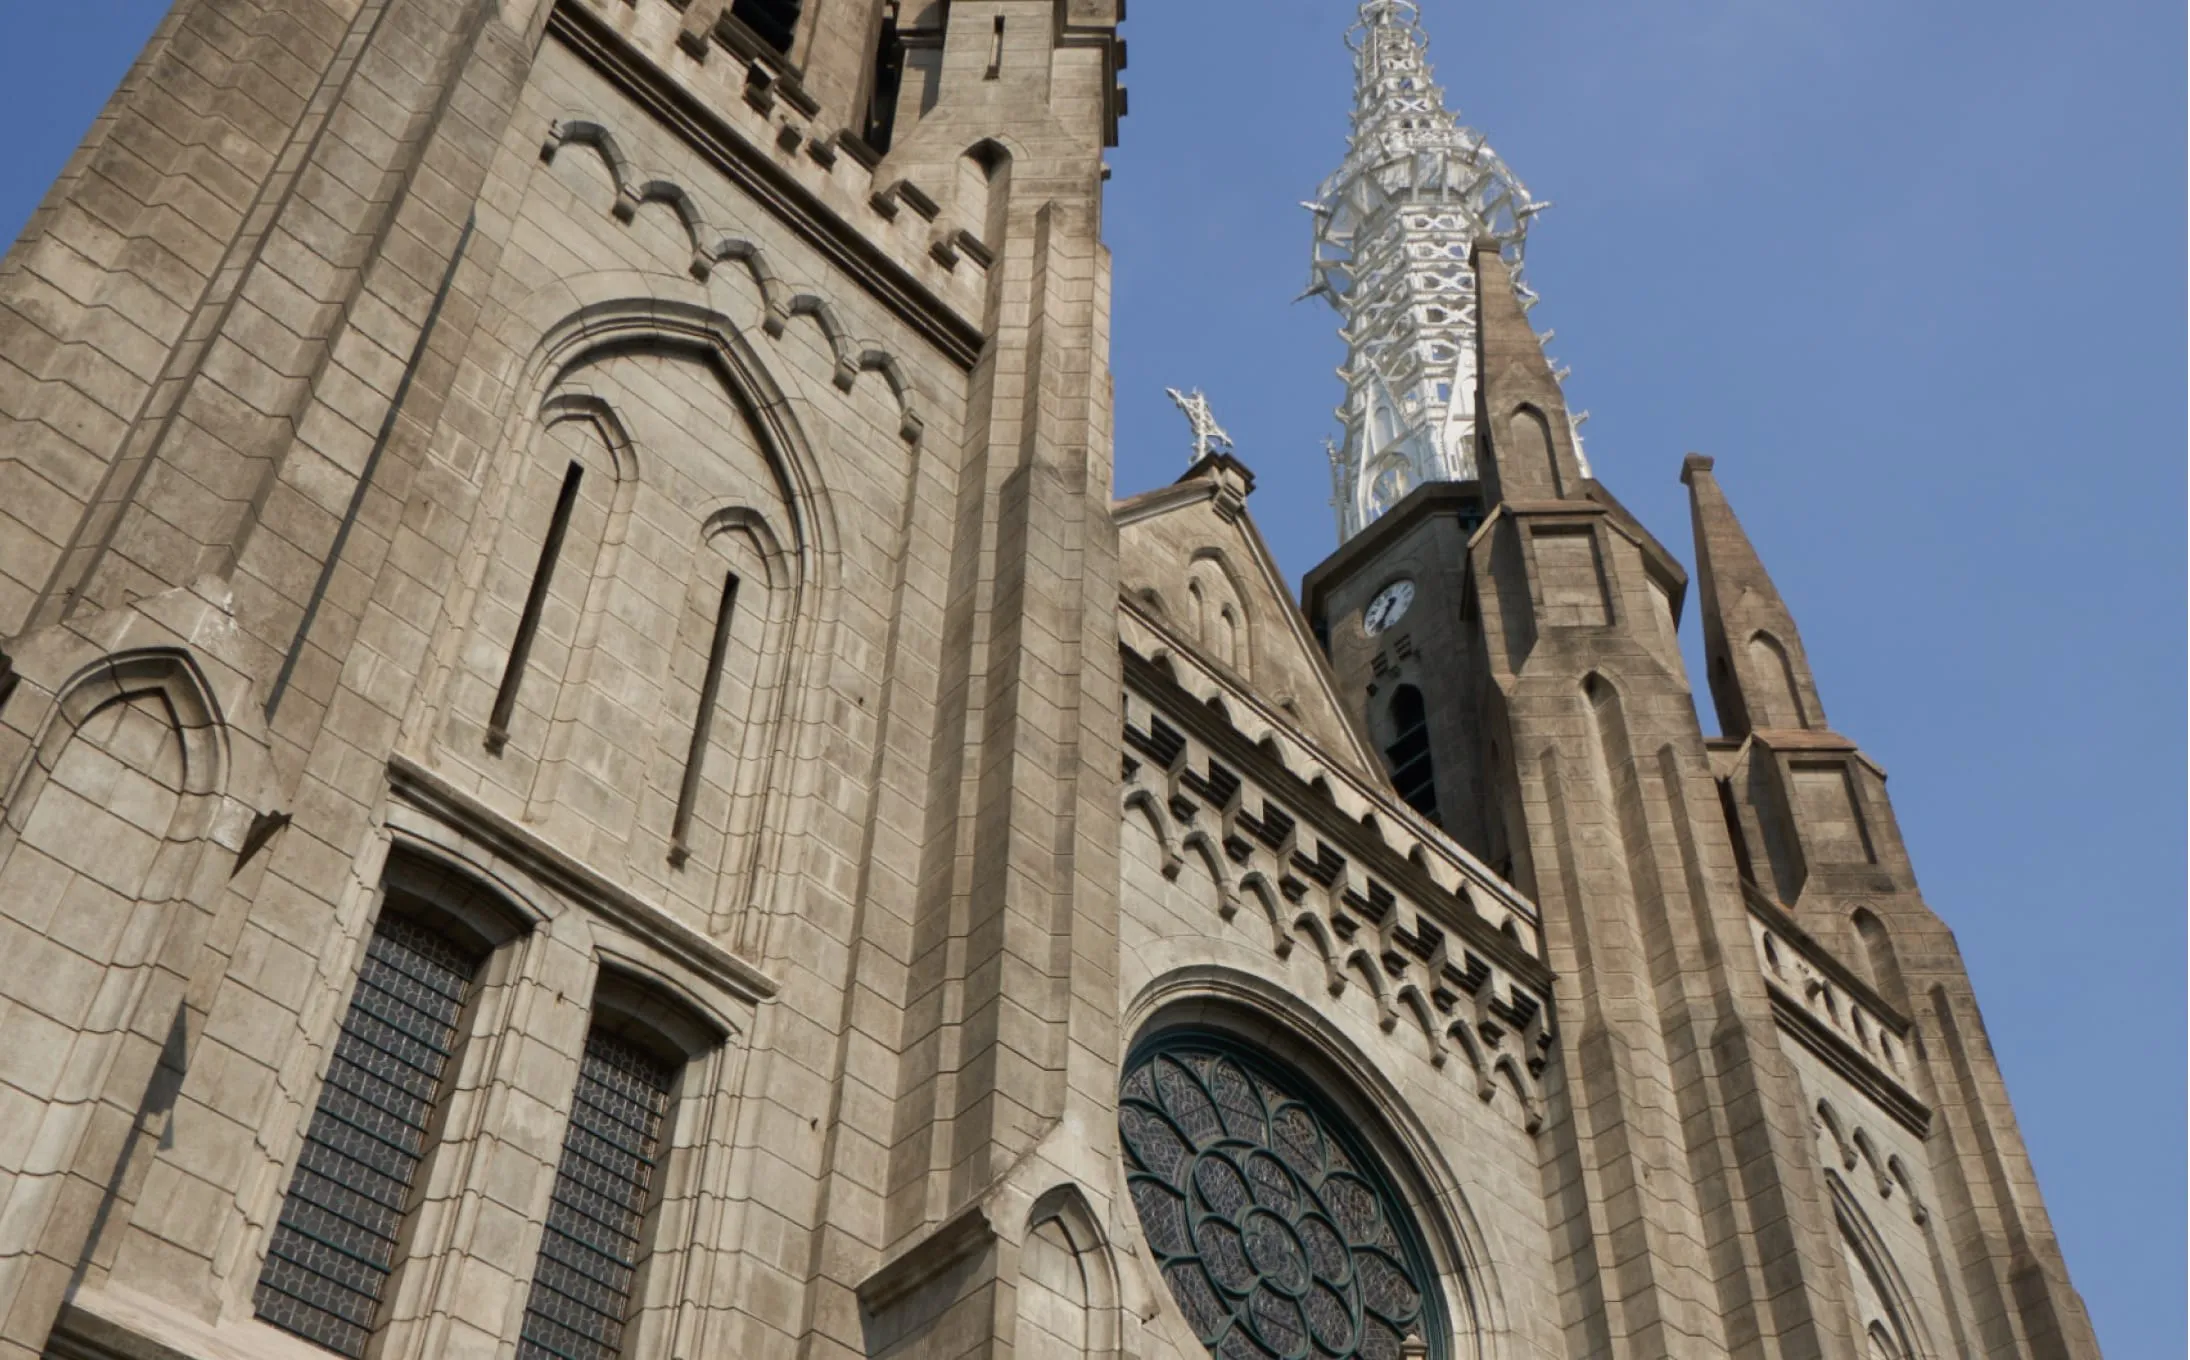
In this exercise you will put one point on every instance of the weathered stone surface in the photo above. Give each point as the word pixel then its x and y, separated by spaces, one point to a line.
pixel 567 475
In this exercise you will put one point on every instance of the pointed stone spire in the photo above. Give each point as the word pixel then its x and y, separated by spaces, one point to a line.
pixel 1760 675
pixel 1525 438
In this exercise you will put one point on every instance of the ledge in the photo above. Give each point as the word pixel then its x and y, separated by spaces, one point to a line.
pixel 1783 924
pixel 1344 834
pixel 437 798
pixel 1859 1071
pixel 930 1255
pixel 121 1324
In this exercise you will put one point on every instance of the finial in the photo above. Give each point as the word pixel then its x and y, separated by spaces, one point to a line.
pixel 1209 436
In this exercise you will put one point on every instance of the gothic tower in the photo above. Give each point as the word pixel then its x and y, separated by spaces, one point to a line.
pixel 589 769
pixel 1747 1066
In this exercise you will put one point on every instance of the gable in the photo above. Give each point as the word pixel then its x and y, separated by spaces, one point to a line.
pixel 1192 561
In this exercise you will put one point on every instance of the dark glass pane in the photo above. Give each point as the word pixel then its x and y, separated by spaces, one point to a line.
pixel 774 20
pixel 589 1255
pixel 327 1267
pixel 1275 1241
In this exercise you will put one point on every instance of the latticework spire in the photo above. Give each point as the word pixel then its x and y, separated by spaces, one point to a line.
pixel 1392 233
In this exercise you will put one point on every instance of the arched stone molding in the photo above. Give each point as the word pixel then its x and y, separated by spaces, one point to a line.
pixel 1268 1017
pixel 736 538
pixel 109 874
pixel 559 331
pixel 1144 802
pixel 428 858
pixel 168 674
pixel 1198 843
pixel 1777 692
pixel 1067 1293
pixel 1362 937
pixel 1227 630
pixel 1829 1120
pixel 578 404
pixel 1875 1279
pixel 780 301
pixel 1256 885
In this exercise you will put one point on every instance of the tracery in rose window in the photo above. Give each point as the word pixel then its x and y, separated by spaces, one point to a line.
pixel 1277 1233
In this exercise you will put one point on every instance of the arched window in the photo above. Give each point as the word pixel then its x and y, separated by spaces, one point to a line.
pixel 589 1293
pixel 334 1249
pixel 1275 1228
pixel 594 1242
pixel 1414 773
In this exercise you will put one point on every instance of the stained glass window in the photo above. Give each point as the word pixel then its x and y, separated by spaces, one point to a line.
pixel 589 1256
pixel 334 1247
pixel 1276 1231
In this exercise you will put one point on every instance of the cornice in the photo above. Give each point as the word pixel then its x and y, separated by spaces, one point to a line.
pixel 1858 1070
pixel 752 171
pixel 426 791
pixel 1783 924
pixel 1229 744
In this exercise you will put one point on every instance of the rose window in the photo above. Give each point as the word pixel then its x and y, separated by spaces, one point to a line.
pixel 1276 1232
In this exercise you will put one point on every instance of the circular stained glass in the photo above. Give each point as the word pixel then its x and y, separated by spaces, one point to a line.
pixel 1277 1234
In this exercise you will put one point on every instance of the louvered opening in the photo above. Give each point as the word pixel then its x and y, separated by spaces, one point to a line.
pixel 1414 774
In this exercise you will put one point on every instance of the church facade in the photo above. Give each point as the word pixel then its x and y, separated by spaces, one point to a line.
pixel 592 769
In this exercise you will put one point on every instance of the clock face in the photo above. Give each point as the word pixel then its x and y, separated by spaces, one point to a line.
pixel 1388 607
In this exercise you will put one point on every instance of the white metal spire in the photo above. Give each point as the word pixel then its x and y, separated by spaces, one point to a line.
pixel 1392 233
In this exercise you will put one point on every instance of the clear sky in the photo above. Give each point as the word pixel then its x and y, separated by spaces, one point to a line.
pixel 1914 273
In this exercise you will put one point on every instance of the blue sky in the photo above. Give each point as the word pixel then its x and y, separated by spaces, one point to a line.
pixel 1913 273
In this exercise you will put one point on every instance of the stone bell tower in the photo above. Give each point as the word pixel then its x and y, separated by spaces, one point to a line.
pixel 1508 632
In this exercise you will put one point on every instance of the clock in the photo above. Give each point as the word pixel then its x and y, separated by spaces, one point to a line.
pixel 1389 606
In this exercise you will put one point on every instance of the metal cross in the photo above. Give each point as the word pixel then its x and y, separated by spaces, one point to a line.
pixel 1209 436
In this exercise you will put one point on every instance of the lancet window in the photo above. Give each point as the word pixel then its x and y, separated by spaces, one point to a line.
pixel 334 1250
pixel 595 1238
pixel 1414 772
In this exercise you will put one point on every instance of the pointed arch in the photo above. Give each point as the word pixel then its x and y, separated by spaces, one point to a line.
pixel 984 192
pixel 1411 999
pixel 1462 1032
pixel 1257 886
pixel 1312 925
pixel 1532 1112
pixel 1363 962
pixel 1882 963
pixel 1777 698
pixel 1068 1296
pixel 1197 842
pixel 1144 802
pixel 1224 624
pixel 1863 1144
pixel 107 842
pixel 1829 1120
pixel 1886 1308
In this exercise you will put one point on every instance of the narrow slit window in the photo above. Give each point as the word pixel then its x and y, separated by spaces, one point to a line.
pixel 528 626
pixel 1414 774
pixel 889 78
pixel 589 1257
pixel 996 51
pixel 334 1248
pixel 703 722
